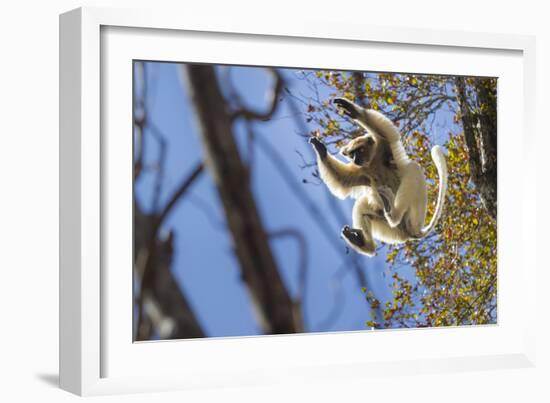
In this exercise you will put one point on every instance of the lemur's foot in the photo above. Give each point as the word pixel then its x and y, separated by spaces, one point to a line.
pixel 387 197
pixel 354 236
pixel 319 147
pixel 348 108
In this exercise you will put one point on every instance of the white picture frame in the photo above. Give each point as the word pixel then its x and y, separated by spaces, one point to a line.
pixel 96 354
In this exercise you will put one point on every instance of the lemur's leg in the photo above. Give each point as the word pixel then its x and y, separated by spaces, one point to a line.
pixel 359 238
pixel 387 197
pixel 410 200
pixel 396 207
pixel 339 177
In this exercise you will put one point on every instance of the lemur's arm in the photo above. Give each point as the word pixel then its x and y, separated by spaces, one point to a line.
pixel 374 121
pixel 339 177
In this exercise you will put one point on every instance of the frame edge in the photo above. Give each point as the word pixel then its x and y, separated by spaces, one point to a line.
pixel 70 295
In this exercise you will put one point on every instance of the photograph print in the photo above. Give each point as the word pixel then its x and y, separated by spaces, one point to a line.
pixel 271 200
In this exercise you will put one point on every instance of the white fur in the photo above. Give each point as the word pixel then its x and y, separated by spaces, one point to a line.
pixel 405 218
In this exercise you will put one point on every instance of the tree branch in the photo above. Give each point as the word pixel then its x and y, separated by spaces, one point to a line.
pixel 250 242
pixel 249 114
pixel 303 264
pixel 184 186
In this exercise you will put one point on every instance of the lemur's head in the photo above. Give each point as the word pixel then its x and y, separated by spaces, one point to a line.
pixel 360 150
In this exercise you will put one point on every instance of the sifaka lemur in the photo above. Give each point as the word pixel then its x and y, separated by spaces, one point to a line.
pixel 390 189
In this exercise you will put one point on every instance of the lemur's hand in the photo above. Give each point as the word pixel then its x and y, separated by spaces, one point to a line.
pixel 318 146
pixel 348 108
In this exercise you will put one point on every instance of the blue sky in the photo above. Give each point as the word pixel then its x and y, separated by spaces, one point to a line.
pixel 204 264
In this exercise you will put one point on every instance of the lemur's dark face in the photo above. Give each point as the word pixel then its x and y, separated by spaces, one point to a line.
pixel 360 150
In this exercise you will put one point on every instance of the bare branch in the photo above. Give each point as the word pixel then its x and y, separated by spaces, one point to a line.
pixel 258 267
pixel 139 116
pixel 184 186
pixel 161 161
pixel 249 114
pixel 207 210
pixel 303 264
pixel 303 256
pixel 339 299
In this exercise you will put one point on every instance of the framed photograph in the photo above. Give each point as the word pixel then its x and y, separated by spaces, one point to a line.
pixel 243 204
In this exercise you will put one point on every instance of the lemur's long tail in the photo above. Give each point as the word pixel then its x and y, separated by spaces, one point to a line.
pixel 441 165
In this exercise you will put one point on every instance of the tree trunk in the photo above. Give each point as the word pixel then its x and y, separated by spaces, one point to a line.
pixel 250 242
pixel 478 110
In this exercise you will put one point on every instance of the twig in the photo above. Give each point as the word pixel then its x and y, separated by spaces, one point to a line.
pixel 157 134
pixel 139 116
pixel 249 114
pixel 339 299
pixel 184 186
pixel 490 283
pixel 207 210
pixel 303 262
